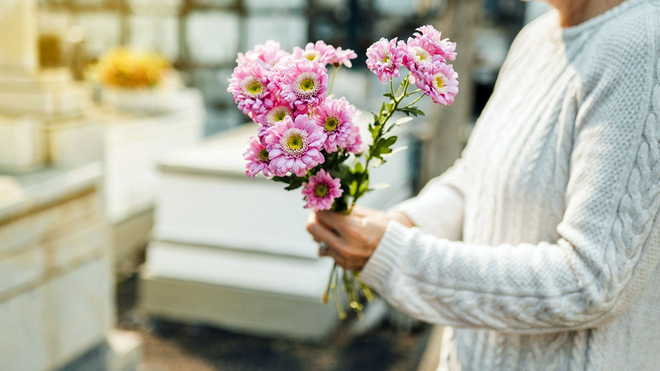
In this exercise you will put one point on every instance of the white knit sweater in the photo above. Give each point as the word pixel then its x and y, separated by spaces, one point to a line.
pixel 541 246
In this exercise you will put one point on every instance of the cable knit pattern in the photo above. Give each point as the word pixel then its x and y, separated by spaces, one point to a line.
pixel 541 246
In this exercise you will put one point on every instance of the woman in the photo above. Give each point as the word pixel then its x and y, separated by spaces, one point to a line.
pixel 540 246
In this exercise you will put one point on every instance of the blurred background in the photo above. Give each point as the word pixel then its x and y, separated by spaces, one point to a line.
pixel 130 238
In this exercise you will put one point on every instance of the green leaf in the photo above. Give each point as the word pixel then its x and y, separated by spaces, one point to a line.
pixel 395 151
pixel 295 183
pixel 374 129
pixel 364 188
pixel 383 146
pixel 352 188
pixel 388 95
pixel 358 169
pixel 412 111
pixel 283 179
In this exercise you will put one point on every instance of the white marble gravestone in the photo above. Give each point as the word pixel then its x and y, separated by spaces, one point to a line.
pixel 55 278
pixel 41 112
pixel 18 49
pixel 234 252
pixel 133 143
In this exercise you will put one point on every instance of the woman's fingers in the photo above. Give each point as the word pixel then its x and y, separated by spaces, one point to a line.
pixel 332 220
pixel 321 233
pixel 351 239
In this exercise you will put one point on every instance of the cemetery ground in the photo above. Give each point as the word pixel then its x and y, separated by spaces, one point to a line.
pixel 171 346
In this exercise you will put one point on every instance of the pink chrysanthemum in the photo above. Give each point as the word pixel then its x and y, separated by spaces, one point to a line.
pixel 440 82
pixel 355 147
pixel 435 44
pixel 267 55
pixel 419 54
pixel 337 117
pixel 249 86
pixel 321 191
pixel 385 57
pixel 274 115
pixel 294 145
pixel 303 84
pixel 317 52
pixel 342 57
pixel 257 157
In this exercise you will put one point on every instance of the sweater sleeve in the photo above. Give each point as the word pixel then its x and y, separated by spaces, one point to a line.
pixel 609 235
pixel 438 209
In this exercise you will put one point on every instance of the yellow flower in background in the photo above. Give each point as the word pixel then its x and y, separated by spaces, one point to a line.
pixel 130 69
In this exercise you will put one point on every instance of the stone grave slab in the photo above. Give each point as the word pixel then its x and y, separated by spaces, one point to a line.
pixel 56 292
pixel 234 248
pixel 132 145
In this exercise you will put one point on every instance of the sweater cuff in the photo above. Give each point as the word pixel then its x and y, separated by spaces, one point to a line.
pixel 385 257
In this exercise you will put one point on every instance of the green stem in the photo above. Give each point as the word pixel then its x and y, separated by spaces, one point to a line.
pixel 382 120
pixel 335 296
pixel 413 92
pixel 334 75
pixel 326 295
pixel 415 101
pixel 401 85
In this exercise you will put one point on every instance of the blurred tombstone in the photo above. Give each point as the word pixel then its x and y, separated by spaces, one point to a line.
pixel 212 37
pixel 252 5
pixel 288 30
pixel 215 3
pixel 233 252
pixel 158 34
pixel 41 109
pixel 18 48
pixel 102 32
pixel 54 46
pixel 134 140
pixel 56 286
pixel 55 296
pixel 155 7
pixel 154 26
pixel 89 3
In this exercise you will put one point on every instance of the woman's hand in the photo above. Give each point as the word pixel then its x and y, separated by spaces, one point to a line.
pixel 351 239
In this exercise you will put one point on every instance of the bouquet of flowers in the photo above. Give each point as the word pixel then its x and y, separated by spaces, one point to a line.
pixel 308 138
pixel 129 69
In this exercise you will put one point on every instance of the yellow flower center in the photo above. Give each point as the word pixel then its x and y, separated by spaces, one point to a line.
pixel 263 155
pixel 311 55
pixel 439 82
pixel 330 124
pixel 279 116
pixel 294 142
pixel 254 88
pixel 386 59
pixel 307 85
pixel 420 53
pixel 321 190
